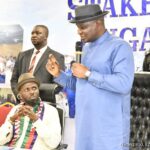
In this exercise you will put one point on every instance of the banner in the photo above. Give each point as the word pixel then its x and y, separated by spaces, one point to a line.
pixel 11 37
pixel 128 19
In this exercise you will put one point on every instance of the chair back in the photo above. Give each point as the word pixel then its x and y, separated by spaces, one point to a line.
pixel 61 113
pixel 4 110
pixel 140 109
pixel 48 92
pixel 61 117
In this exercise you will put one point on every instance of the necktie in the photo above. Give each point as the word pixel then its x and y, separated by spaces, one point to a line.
pixel 33 62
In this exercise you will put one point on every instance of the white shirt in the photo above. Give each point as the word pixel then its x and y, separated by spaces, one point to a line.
pixel 48 129
pixel 38 56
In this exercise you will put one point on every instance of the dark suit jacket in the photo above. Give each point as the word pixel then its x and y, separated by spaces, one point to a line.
pixel 22 65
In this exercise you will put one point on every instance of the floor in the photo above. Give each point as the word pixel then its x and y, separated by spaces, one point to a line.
pixel 69 133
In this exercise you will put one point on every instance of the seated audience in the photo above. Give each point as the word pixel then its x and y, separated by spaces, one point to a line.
pixel 31 124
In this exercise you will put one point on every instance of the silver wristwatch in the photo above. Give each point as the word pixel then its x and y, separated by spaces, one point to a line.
pixel 87 74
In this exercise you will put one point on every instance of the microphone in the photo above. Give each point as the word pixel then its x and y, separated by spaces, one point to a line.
pixel 78 51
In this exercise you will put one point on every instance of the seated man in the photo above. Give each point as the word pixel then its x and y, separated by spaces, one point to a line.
pixel 31 124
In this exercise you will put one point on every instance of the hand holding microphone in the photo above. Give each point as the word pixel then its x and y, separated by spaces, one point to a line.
pixel 78 48
pixel 78 69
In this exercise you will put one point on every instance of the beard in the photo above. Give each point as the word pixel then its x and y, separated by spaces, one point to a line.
pixel 31 102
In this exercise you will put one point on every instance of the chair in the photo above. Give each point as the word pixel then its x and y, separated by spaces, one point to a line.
pixel 62 123
pixel 140 112
pixel 4 110
pixel 48 92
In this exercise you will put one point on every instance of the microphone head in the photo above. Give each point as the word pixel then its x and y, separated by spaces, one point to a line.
pixel 79 46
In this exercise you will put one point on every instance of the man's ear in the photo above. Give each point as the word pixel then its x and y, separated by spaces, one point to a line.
pixel 19 96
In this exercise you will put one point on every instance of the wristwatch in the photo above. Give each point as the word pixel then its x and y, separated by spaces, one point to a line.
pixel 87 74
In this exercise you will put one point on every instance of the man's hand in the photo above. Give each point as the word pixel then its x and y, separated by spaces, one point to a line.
pixel 28 111
pixel 53 66
pixel 24 111
pixel 17 115
pixel 79 70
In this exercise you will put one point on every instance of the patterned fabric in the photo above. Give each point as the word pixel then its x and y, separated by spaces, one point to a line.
pixel 30 134
pixel 44 134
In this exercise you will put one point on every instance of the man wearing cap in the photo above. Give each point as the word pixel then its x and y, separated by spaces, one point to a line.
pixel 31 124
pixel 102 81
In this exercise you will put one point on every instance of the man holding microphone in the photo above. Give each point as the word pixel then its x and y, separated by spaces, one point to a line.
pixel 102 81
